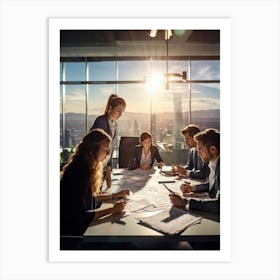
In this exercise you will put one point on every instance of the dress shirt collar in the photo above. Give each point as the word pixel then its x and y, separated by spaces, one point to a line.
pixel 213 164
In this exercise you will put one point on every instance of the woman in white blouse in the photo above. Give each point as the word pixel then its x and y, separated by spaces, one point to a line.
pixel 146 153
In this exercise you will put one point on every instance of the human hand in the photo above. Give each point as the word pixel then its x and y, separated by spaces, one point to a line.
pixel 189 194
pixel 145 166
pixel 174 169
pixel 181 170
pixel 160 164
pixel 122 194
pixel 119 206
pixel 108 182
pixel 187 188
pixel 176 199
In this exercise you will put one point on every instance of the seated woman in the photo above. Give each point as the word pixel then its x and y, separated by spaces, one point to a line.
pixel 146 153
pixel 80 183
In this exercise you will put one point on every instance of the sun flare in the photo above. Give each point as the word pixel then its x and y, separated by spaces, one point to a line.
pixel 154 82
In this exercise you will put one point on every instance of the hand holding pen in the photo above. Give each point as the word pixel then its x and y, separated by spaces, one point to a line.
pixel 121 194
pixel 119 206
pixel 176 199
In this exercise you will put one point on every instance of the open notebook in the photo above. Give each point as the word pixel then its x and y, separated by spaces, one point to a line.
pixel 171 220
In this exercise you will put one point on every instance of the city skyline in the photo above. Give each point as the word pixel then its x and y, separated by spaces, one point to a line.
pixel 142 122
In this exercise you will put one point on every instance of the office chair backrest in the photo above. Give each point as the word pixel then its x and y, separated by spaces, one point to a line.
pixel 126 150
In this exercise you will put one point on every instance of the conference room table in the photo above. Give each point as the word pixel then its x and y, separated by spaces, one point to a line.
pixel 149 196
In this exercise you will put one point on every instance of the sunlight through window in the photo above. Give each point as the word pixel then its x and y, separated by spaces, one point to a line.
pixel 154 83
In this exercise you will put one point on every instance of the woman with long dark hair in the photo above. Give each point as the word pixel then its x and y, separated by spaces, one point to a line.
pixel 80 184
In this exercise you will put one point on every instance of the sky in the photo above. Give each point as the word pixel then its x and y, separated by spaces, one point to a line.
pixel 138 96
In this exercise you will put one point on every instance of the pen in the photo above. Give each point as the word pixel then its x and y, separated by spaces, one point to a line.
pixel 169 189
pixel 187 182
pixel 163 182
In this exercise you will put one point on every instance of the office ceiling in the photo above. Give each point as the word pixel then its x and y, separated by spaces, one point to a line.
pixel 100 44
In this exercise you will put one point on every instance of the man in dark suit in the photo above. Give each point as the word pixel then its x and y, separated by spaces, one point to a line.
pixel 195 168
pixel 208 146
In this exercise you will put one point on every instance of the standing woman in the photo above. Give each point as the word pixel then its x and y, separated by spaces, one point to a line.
pixel 108 122
pixel 146 153
pixel 80 183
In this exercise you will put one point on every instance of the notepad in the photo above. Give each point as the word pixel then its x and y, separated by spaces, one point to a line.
pixel 171 220
pixel 166 168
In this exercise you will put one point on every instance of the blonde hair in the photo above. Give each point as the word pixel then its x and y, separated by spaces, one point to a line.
pixel 96 177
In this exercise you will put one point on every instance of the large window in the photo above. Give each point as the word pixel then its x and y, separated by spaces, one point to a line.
pixel 102 71
pixel 151 105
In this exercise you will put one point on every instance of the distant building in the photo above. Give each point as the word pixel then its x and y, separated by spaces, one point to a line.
pixel 136 128
pixel 68 138
pixel 153 127
pixel 178 119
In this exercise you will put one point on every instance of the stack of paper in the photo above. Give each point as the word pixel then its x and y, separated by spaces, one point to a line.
pixel 171 220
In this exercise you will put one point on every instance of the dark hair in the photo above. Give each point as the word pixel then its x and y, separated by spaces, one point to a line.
pixel 87 151
pixel 209 137
pixel 144 136
pixel 191 129
pixel 114 101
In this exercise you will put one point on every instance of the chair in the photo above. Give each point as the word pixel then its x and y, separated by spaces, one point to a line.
pixel 126 150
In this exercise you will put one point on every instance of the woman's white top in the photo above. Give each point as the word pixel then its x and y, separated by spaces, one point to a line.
pixel 145 159
pixel 112 126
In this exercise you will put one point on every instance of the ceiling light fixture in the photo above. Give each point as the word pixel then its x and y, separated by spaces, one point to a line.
pixel 153 33
pixel 167 36
pixel 167 33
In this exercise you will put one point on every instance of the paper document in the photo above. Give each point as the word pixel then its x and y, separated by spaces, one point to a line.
pixel 135 205
pixel 167 170
pixel 171 220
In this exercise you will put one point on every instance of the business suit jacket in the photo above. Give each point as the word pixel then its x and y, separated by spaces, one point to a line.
pixel 199 169
pixel 135 162
pixel 213 203
pixel 103 123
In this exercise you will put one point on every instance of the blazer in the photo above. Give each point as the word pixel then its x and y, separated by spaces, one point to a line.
pixel 213 203
pixel 103 123
pixel 199 169
pixel 135 162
